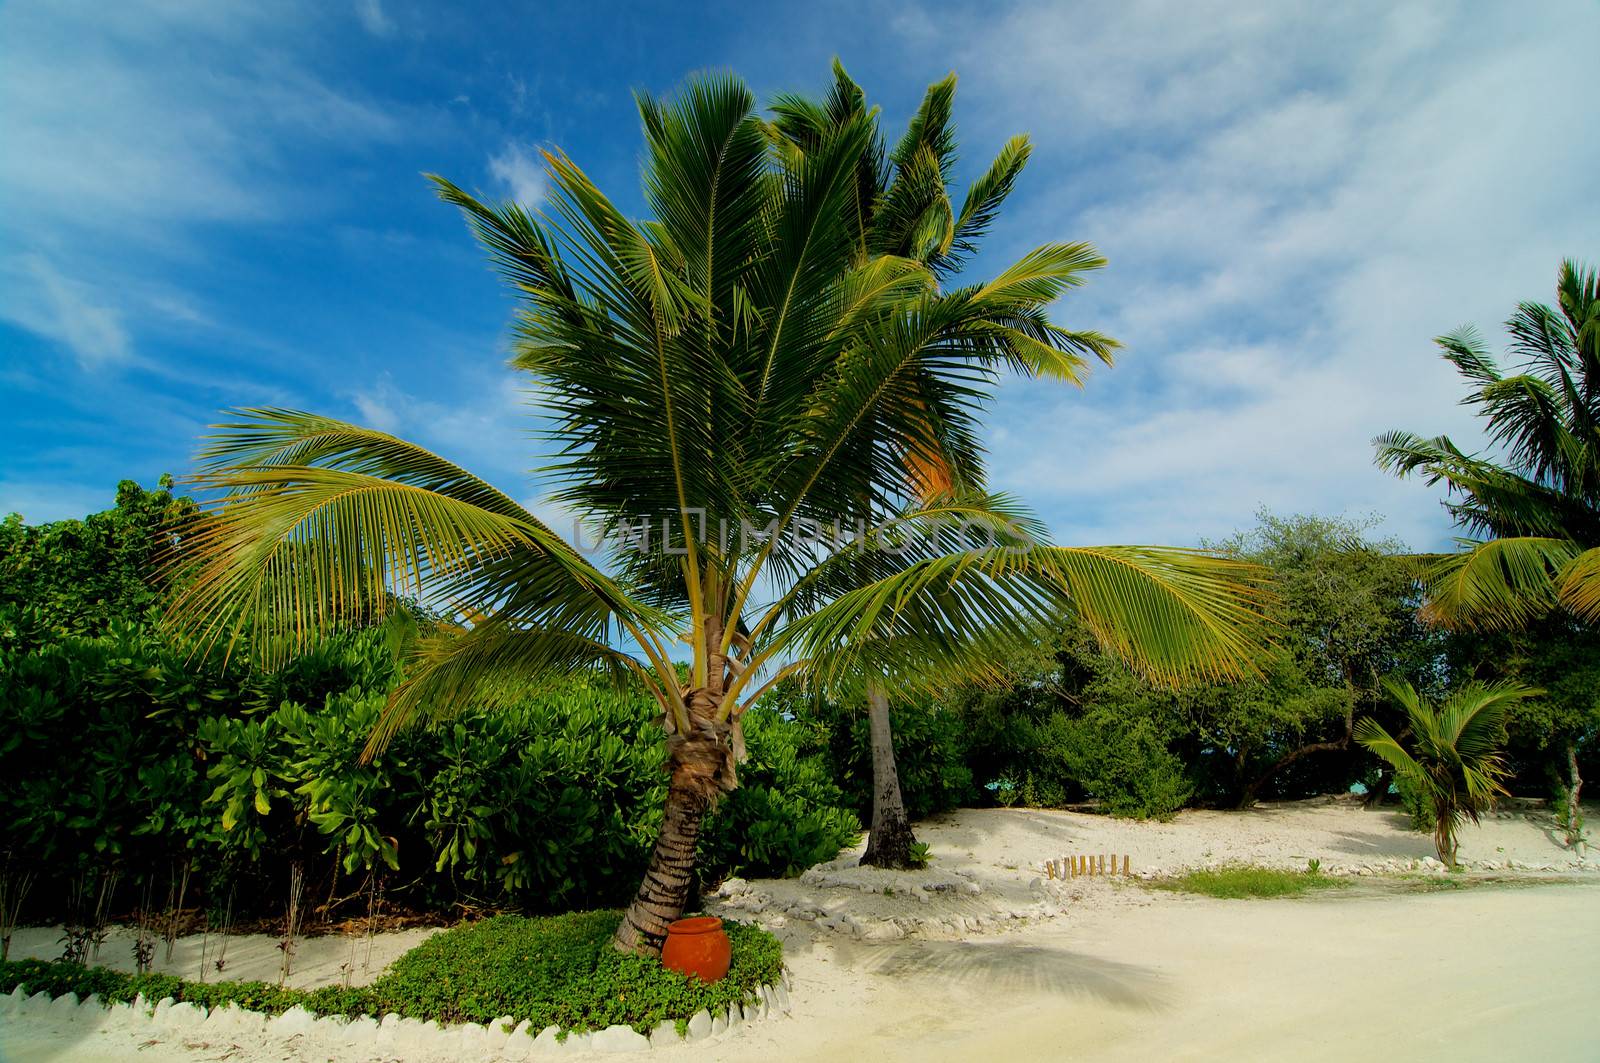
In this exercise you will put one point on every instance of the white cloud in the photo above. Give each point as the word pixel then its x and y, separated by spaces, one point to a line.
pixel 520 174
pixel 1293 203
pixel 373 18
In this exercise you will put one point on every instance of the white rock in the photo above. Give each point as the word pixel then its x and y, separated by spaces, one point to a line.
pixel 295 1020
pixel 719 1025
pixel 163 1006
pixel 699 1027
pixel 362 1030
pixel 519 1043
pixel 185 1015
pixel 782 996
pixel 731 887
pixel 580 1042
pixel 497 1032
pixel 65 1002
pixel 471 1040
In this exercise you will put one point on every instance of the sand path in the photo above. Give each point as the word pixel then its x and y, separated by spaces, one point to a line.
pixel 1117 971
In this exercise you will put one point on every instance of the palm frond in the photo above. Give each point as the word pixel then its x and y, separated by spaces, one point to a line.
pixel 1502 583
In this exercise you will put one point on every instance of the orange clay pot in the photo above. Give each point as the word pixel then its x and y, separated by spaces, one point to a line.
pixel 698 947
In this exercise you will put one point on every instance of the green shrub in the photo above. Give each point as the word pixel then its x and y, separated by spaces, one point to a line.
pixel 929 751
pixel 555 971
pixel 1125 764
pixel 1416 805
pixel 787 813
pixel 122 754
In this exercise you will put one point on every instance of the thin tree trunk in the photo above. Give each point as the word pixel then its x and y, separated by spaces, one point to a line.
pixel 1574 789
pixel 889 843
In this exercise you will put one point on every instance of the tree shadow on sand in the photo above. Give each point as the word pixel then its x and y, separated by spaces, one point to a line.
pixel 1013 967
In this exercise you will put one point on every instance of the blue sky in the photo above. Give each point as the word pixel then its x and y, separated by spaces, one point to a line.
pixel 206 204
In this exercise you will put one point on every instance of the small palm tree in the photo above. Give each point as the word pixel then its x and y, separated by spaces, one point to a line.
pixel 1534 512
pixel 1455 763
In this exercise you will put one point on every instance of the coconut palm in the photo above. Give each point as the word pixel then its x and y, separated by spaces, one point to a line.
pixel 1455 764
pixel 1533 510
pixel 722 381
pixel 902 205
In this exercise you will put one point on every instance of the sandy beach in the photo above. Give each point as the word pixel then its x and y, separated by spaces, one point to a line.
pixel 981 956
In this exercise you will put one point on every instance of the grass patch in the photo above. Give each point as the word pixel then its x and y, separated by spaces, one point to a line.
pixel 1242 882
pixel 556 971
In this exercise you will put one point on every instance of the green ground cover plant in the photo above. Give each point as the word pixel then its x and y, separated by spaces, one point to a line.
pixel 1243 882
pixel 553 971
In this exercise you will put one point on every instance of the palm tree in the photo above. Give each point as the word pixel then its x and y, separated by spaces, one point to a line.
pixel 722 381
pixel 1533 512
pixel 1455 763
pixel 902 205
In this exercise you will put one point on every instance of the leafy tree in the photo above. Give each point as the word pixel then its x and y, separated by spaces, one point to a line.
pixel 78 577
pixel 1455 763
pixel 1348 607
pixel 732 365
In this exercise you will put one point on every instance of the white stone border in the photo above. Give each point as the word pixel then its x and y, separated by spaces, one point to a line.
pixel 499 1040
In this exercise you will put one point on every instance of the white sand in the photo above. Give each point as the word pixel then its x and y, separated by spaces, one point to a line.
pixel 974 959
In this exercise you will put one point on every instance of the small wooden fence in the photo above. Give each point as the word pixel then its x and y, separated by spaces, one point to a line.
pixel 1086 866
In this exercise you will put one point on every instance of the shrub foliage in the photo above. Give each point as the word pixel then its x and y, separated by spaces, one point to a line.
pixel 556 971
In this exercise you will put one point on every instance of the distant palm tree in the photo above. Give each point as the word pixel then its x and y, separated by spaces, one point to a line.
pixel 1455 763
pixel 740 367
pixel 1535 510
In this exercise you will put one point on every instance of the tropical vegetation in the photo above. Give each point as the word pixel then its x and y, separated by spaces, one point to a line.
pixel 1454 766
pixel 1531 506
pixel 743 370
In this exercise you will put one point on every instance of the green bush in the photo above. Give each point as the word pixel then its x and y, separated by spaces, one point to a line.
pixel 557 971
pixel 1124 763
pixel 121 754
pixel 787 813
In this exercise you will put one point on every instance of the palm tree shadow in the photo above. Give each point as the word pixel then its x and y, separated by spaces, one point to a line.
pixel 1014 968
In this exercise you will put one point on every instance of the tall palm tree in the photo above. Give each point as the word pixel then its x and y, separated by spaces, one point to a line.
pixel 1533 511
pixel 722 380
pixel 902 204
pixel 1455 763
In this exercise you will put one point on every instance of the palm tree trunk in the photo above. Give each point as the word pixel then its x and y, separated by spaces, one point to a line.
pixel 1574 789
pixel 889 843
pixel 666 888
pixel 700 766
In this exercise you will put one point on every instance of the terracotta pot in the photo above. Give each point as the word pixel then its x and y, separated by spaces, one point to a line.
pixel 698 947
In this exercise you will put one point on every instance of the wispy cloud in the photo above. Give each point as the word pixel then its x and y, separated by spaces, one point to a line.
pixel 68 311
pixel 129 128
pixel 374 19
pixel 519 173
